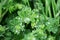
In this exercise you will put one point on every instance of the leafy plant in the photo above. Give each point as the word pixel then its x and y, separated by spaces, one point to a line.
pixel 29 19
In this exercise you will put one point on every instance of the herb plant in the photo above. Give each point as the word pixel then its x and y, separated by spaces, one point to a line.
pixel 29 20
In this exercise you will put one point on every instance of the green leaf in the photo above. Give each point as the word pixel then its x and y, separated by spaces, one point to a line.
pixel 25 14
pixel 2 29
pixel 51 38
pixel 52 25
pixel 15 25
pixel 29 37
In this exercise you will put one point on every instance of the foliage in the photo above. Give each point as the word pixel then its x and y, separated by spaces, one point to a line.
pixel 29 20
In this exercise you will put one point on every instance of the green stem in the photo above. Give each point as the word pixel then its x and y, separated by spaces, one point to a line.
pixel 54 7
pixel 3 15
pixel 57 14
pixel 47 5
pixel 0 11
pixel 49 12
